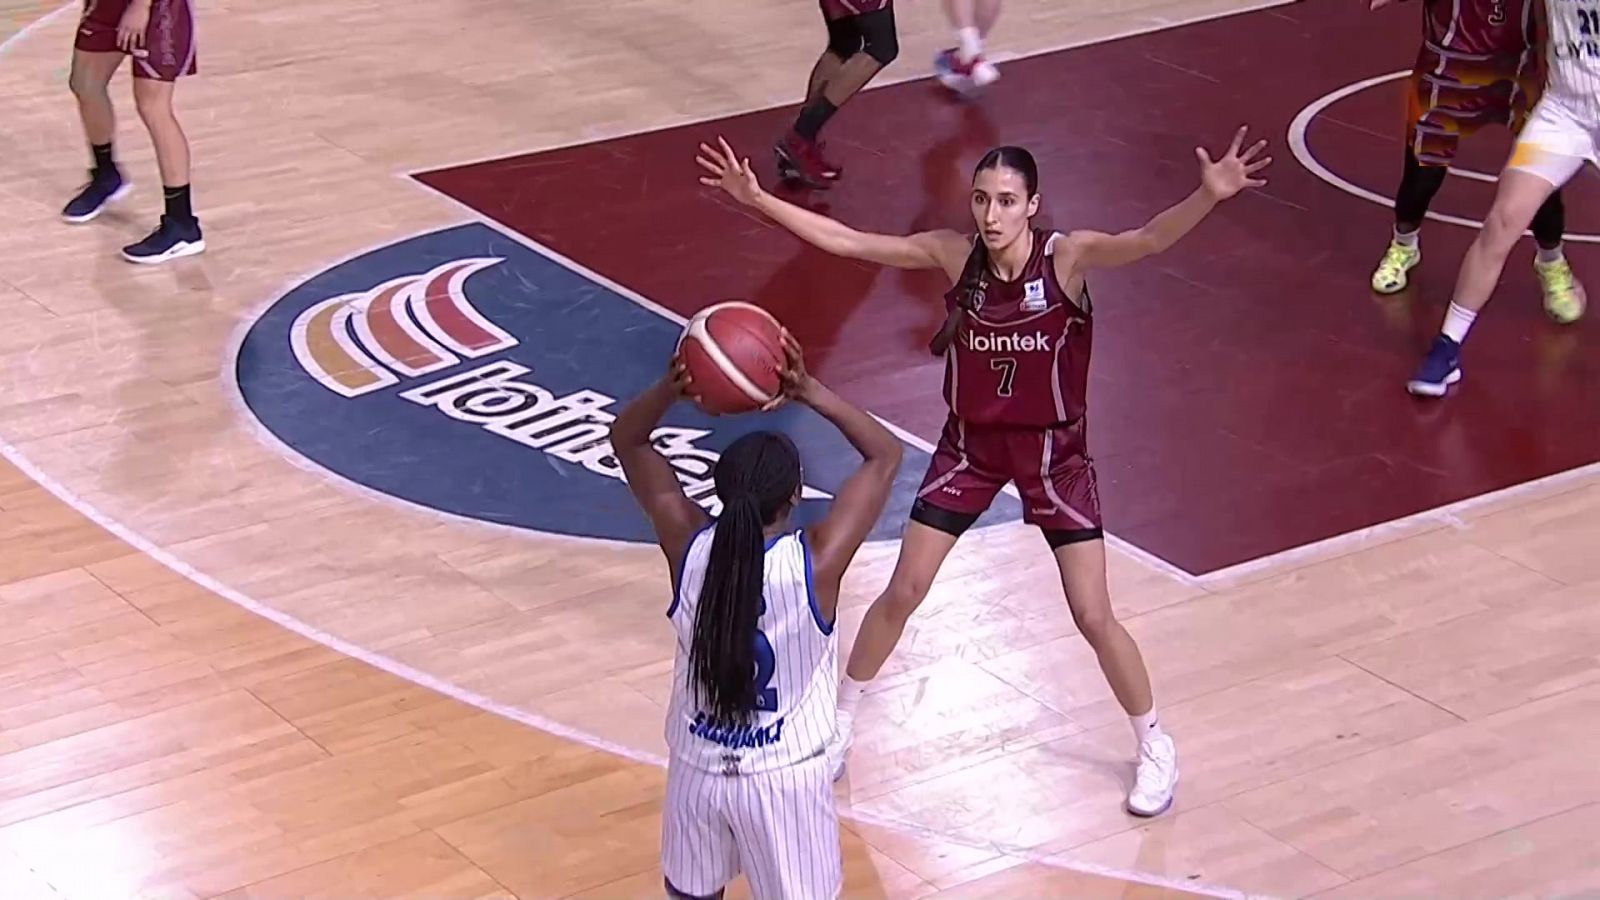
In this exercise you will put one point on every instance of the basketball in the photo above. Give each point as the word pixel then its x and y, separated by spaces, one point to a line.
pixel 734 352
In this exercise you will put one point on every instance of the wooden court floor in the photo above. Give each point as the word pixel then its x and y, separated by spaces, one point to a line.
pixel 223 673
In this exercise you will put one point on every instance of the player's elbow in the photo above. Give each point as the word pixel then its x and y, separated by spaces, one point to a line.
pixel 883 464
pixel 889 457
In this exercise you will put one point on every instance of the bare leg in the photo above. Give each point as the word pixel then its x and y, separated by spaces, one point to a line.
pixel 179 233
pixel 154 101
pixel 922 552
pixel 1516 202
pixel 965 69
pixel 1083 575
pixel 977 14
pixel 90 80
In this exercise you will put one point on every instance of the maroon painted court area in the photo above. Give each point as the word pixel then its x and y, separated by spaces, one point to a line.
pixel 1247 393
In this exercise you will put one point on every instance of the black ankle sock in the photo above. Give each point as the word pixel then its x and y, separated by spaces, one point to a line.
pixel 813 117
pixel 102 159
pixel 178 203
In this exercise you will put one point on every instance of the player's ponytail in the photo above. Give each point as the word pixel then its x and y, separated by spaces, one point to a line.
pixel 974 279
pixel 757 478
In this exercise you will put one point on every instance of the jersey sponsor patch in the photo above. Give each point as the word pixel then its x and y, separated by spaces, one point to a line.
pixel 464 372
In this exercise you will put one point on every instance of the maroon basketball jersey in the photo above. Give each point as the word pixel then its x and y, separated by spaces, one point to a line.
pixel 1021 356
pixel 1479 29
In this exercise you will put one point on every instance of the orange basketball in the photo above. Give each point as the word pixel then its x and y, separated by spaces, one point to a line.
pixel 733 352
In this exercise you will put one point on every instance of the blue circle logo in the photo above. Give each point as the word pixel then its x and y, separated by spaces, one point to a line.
pixel 464 372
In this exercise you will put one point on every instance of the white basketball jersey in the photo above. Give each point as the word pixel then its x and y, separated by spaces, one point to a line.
pixel 1574 55
pixel 796 671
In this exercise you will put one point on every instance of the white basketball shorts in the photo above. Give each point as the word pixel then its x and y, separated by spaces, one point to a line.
pixel 1556 142
pixel 779 828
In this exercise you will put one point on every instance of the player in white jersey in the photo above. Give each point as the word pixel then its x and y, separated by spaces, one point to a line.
pixel 755 679
pixel 1562 134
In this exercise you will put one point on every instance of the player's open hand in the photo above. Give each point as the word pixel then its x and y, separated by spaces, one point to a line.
pixel 130 30
pixel 1234 171
pixel 729 172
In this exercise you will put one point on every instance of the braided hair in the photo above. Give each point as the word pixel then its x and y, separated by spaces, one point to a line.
pixel 756 479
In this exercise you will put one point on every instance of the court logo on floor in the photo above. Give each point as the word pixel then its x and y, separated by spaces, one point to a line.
pixel 467 373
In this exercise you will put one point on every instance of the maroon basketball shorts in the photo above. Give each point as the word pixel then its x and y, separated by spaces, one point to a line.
pixel 834 10
pixel 1451 98
pixel 1050 468
pixel 168 50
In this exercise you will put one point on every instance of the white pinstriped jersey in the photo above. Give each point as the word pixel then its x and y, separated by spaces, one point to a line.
pixel 1574 55
pixel 796 674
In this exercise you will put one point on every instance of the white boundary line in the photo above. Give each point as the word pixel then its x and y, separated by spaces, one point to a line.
pixel 1447 515
pixel 394 667
pixel 1301 148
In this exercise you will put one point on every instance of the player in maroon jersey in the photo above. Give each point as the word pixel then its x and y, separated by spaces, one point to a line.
pixel 159 36
pixel 1478 65
pixel 862 40
pixel 1016 341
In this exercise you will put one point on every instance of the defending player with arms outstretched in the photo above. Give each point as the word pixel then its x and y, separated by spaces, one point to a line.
pixel 862 40
pixel 159 36
pixel 1562 134
pixel 749 787
pixel 1016 344
pixel 1478 65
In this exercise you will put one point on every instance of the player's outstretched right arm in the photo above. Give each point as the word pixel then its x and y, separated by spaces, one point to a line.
pixel 860 501
pixel 924 250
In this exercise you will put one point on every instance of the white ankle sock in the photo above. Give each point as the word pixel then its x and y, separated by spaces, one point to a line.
pixel 1146 727
pixel 1407 238
pixel 1457 322
pixel 1552 255
pixel 970 44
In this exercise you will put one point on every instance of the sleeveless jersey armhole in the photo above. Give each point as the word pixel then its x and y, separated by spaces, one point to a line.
pixel 683 563
pixel 1082 303
pixel 823 625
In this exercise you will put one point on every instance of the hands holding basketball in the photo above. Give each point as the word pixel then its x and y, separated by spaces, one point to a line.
pixel 795 382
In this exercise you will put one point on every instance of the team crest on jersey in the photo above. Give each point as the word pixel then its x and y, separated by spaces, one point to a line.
pixel 1033 299
pixel 464 372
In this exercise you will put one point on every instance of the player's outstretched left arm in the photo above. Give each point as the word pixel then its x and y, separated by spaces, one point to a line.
pixel 1219 180
pixel 650 477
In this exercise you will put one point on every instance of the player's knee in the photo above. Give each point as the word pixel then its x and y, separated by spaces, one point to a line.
pixel 153 99
pixel 1096 623
pixel 878 37
pixel 86 87
pixel 1503 226
pixel 902 597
